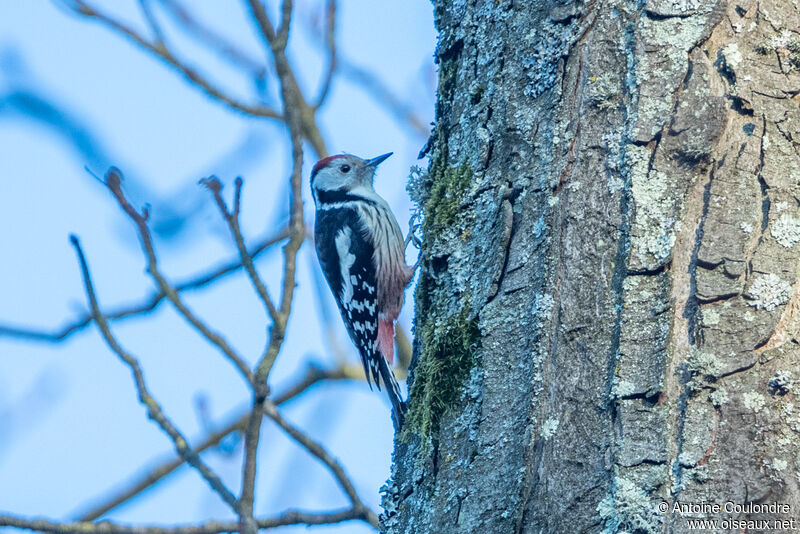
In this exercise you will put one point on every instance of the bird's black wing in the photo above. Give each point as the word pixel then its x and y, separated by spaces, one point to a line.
pixel 345 255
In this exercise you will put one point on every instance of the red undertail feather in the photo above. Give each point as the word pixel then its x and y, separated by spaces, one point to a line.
pixel 386 339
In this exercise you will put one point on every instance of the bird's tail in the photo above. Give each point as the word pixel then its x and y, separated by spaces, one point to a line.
pixel 393 390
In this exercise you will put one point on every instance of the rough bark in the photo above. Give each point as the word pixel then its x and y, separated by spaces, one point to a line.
pixel 607 311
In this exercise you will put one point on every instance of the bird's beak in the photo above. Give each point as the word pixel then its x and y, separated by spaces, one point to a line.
pixel 374 162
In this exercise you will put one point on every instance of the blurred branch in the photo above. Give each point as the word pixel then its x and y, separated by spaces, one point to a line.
pixel 213 40
pixel 237 423
pixel 282 36
pixel 154 411
pixel 404 351
pixel 27 97
pixel 162 51
pixel 330 44
pixel 152 23
pixel 146 305
pixel 375 87
pixel 309 127
pixel 290 517
pixel 384 96
pixel 113 181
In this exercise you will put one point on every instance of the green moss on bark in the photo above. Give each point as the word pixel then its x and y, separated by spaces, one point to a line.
pixel 448 188
pixel 448 355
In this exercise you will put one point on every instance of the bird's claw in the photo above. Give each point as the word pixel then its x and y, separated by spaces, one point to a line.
pixel 413 226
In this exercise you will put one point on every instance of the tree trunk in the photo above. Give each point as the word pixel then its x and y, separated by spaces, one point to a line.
pixel 607 311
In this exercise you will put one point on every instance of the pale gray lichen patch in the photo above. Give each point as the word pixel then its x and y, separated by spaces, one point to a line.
pixel 703 367
pixel 543 306
pixel 779 464
pixel 786 45
pixel 660 72
pixel 711 316
pixel 602 91
pixel 786 230
pixel 549 428
pixel 719 397
pixel 733 57
pixel 753 401
pixel 552 42
pixel 769 291
pixel 622 388
pixel 653 232
pixel 627 509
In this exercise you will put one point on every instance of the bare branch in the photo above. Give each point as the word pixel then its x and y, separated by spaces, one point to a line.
pixel 330 44
pixel 290 517
pixel 82 8
pixel 232 218
pixel 154 411
pixel 313 375
pixel 146 305
pixel 113 180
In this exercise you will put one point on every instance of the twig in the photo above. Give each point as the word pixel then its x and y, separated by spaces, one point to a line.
pixel 237 423
pixel 290 517
pixel 324 456
pixel 146 305
pixel 113 181
pixel 232 218
pixel 83 8
pixel 330 44
pixel 154 411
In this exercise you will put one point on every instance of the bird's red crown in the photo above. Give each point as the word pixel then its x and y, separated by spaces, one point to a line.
pixel 321 164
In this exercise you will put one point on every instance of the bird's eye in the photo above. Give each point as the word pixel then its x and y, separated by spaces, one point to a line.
pixel 345 168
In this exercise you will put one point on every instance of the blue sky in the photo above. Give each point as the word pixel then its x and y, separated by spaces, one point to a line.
pixel 70 426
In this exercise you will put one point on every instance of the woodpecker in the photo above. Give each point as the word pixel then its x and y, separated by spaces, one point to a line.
pixel 362 252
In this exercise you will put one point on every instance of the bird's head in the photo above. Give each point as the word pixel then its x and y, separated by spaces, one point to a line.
pixel 344 173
